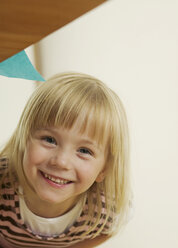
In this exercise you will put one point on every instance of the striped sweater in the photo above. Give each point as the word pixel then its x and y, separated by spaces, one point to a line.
pixel 14 233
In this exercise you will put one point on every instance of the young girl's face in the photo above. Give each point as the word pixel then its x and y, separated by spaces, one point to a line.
pixel 60 164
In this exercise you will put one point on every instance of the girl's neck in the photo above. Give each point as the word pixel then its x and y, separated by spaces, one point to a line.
pixel 47 209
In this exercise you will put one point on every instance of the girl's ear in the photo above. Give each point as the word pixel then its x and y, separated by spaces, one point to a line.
pixel 101 176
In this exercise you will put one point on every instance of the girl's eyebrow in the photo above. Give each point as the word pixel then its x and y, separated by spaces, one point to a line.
pixel 89 142
pixel 92 143
pixel 45 130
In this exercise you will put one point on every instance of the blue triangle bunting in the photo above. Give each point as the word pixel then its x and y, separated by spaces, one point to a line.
pixel 19 66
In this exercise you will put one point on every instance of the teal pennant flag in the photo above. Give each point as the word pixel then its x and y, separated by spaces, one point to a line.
pixel 19 66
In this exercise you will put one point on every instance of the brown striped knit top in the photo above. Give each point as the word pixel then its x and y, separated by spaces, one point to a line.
pixel 14 233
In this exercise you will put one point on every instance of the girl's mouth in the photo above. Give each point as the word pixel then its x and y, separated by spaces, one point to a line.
pixel 55 180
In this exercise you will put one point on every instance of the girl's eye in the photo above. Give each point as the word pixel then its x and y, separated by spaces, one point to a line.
pixel 49 139
pixel 85 151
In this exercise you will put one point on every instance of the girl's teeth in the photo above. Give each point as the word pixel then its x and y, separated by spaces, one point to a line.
pixel 56 180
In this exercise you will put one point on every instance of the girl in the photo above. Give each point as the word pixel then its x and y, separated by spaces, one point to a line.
pixel 65 170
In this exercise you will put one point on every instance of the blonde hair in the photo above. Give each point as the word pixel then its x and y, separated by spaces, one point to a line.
pixel 63 100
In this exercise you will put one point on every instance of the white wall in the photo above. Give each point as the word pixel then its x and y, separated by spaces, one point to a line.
pixel 131 45
pixel 13 96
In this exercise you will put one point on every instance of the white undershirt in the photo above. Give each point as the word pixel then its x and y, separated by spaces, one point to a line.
pixel 50 226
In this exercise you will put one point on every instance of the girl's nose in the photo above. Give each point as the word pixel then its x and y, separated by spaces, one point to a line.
pixel 61 159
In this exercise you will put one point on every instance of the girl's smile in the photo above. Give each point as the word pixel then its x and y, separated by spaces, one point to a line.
pixel 60 165
pixel 55 181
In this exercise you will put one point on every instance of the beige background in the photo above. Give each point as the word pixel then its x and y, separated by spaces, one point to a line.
pixel 132 46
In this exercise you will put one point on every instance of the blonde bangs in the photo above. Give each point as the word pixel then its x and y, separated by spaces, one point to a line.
pixel 65 105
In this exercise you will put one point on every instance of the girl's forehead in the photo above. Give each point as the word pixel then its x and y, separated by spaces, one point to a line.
pixel 90 128
pixel 89 122
pixel 86 130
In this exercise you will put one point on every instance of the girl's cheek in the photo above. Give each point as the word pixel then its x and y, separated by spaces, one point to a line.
pixel 33 154
pixel 38 155
pixel 87 174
